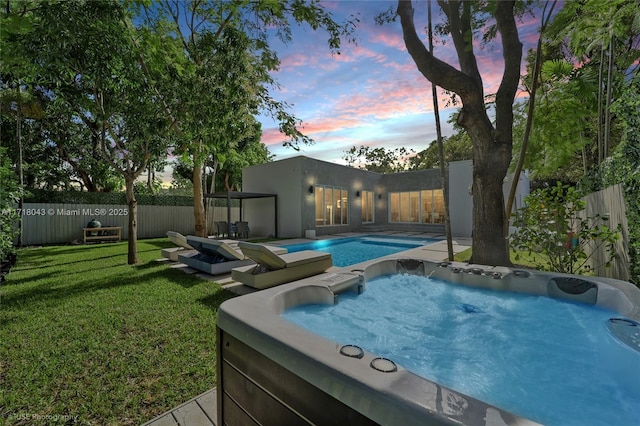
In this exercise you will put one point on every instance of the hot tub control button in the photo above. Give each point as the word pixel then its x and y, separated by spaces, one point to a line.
pixel 383 364
pixel 352 351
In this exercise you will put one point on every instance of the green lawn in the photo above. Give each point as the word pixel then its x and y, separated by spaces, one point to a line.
pixel 520 259
pixel 84 334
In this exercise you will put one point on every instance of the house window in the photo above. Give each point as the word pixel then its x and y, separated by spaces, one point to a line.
pixel 394 202
pixel 433 212
pixel 367 207
pixel 425 206
pixel 332 205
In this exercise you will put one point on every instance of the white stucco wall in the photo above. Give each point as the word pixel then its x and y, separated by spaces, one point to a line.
pixel 461 201
pixel 281 177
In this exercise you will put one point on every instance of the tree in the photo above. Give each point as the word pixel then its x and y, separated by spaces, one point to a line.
pixel 221 49
pixel 602 38
pixel 56 153
pixel 378 160
pixel 530 110
pixel 248 152
pixel 492 145
pixel 104 97
pixel 456 147
pixel 572 116
pixel 9 214
pixel 561 129
pixel 225 174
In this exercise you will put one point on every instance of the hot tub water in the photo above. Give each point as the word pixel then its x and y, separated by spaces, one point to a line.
pixel 538 357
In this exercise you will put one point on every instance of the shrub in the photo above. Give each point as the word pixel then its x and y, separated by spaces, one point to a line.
pixel 9 195
pixel 551 226
pixel 624 167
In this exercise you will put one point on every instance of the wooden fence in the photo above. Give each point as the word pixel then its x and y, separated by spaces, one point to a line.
pixel 610 202
pixel 48 223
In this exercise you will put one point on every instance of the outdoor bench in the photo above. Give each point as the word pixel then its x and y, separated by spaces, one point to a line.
pixel 104 233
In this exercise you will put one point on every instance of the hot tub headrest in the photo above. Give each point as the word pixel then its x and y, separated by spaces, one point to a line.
pixel 573 288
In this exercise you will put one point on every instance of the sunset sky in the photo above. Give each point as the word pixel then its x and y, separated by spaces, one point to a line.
pixel 372 93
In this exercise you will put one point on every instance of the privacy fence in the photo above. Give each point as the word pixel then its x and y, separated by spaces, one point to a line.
pixel 610 202
pixel 59 218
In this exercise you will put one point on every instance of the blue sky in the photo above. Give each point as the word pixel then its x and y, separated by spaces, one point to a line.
pixel 372 93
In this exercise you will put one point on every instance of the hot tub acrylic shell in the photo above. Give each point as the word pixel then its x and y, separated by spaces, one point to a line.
pixel 272 372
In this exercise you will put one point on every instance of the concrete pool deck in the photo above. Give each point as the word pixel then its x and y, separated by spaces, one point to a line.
pixel 201 409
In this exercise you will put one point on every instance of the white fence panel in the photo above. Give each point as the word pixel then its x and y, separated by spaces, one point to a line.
pixel 50 223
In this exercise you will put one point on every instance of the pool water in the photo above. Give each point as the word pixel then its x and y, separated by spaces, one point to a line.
pixel 349 251
pixel 540 358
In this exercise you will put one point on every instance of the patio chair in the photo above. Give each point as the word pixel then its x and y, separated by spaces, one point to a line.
pixel 273 269
pixel 182 246
pixel 222 229
pixel 217 257
pixel 242 230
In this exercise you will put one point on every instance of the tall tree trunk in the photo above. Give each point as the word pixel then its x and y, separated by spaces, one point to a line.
pixel 491 146
pixel 443 175
pixel 607 108
pixel 490 164
pixel 132 235
pixel 214 170
pixel 530 111
pixel 198 200
pixel 227 185
pixel 150 179
pixel 600 112
pixel 20 169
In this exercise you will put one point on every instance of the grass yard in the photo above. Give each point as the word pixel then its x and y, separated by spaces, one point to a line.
pixel 84 335
pixel 524 259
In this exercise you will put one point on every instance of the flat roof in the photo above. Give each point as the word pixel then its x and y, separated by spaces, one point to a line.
pixel 237 195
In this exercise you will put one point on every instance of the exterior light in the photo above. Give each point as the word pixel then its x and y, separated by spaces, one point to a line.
pixel 311 189
pixel 358 194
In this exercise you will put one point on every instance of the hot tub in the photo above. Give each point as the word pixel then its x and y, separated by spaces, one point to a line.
pixel 272 372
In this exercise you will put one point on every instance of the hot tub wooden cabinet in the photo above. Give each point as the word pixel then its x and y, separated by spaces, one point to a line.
pixel 257 391
pixel 272 372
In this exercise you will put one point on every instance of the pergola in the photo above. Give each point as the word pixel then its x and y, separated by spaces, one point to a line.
pixel 236 195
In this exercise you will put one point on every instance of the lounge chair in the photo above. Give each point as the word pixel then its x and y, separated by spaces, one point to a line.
pixel 182 246
pixel 273 269
pixel 217 257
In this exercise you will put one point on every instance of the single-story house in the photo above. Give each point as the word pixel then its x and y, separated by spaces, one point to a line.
pixel 316 197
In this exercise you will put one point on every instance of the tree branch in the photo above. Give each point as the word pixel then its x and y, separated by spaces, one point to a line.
pixel 461 33
pixel 530 111
pixel 434 69
pixel 512 55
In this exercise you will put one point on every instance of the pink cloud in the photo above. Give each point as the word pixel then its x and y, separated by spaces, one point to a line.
pixel 296 60
pixel 393 40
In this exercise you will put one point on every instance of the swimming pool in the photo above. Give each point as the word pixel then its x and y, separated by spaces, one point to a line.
pixel 352 250
pixel 494 346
